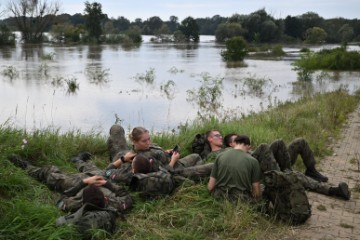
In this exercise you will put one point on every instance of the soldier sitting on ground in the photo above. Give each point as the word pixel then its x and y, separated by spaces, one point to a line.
pixel 120 171
pixel 265 155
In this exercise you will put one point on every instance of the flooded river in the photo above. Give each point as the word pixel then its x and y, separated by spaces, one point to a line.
pixel 155 85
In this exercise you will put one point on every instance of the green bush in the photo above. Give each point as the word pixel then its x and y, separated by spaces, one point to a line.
pixel 330 59
pixel 236 49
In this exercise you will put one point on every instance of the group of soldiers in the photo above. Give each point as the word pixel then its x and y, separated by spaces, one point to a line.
pixel 96 197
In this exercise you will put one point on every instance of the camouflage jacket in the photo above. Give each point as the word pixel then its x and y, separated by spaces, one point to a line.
pixel 89 217
pixel 153 185
pixel 116 197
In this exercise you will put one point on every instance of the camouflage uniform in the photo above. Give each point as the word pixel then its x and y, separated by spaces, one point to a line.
pixel 71 187
pixel 84 219
pixel 265 155
pixel 157 154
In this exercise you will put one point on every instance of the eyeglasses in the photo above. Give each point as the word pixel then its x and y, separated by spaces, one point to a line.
pixel 217 135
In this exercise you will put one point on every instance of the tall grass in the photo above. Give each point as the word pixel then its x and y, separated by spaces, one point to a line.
pixel 28 211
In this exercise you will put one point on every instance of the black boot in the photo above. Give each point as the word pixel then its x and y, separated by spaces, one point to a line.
pixel 313 173
pixel 18 162
pixel 83 156
pixel 342 191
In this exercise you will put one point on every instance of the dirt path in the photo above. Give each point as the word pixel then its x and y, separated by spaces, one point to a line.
pixel 333 218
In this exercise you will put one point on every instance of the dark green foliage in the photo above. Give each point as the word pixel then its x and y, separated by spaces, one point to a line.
pixel 6 36
pixel 93 17
pixel 228 30
pixel 330 59
pixel 189 29
pixel 235 49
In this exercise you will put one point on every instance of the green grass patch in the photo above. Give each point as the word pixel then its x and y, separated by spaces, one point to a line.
pixel 28 207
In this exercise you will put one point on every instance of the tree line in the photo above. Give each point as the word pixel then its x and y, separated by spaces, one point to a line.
pixel 256 27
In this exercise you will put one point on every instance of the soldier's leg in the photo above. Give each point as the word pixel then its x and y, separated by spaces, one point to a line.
pixel 281 154
pixel 117 145
pixel 342 190
pixel 265 157
pixel 190 160
pixel 301 146
pixel 53 177
pixel 84 166
pixel 195 173
pixel 49 175
pixel 312 185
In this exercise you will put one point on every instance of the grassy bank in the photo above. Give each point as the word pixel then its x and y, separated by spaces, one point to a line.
pixel 28 211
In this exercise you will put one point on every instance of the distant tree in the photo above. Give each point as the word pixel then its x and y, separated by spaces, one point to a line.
pixel 109 28
pixel 67 32
pixel 236 49
pixel 293 27
pixel 152 25
pixel 134 33
pixel 121 23
pixel 32 17
pixel 315 35
pixel 261 27
pixel 346 32
pixel 311 19
pixel 78 19
pixel 93 17
pixel 189 29
pixel 228 30
pixel 269 31
pixel 173 23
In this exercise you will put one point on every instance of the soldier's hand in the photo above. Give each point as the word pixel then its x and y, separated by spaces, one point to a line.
pixel 129 156
pixel 96 180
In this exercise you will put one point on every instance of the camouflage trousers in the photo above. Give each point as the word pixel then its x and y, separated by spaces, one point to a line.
pixel 267 161
pixel 311 184
pixel 195 173
pixel 54 178
pixel 279 156
pixel 116 142
pixel 118 175
pixel 190 160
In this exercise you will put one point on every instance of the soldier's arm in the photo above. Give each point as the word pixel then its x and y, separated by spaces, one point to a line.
pixel 211 184
pixel 256 192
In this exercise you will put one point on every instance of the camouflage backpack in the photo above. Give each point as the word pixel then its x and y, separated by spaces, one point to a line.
pixel 287 196
pixel 153 185
pixel 200 146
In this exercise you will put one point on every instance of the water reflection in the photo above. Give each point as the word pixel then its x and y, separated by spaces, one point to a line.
pixel 94 52
pixel 157 85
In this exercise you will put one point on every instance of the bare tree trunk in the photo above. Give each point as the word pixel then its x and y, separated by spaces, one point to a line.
pixel 33 17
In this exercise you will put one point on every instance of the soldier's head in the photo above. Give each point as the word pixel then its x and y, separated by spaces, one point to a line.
pixel 229 140
pixel 93 196
pixel 140 138
pixel 141 164
pixel 214 139
pixel 243 141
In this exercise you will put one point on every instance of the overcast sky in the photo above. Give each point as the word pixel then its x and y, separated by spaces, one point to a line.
pixel 144 9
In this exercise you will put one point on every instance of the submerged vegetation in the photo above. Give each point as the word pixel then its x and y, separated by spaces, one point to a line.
pixel 338 59
pixel 28 207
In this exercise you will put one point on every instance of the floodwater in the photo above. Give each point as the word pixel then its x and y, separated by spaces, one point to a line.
pixel 148 86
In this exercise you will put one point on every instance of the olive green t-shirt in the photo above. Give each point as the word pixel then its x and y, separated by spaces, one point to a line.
pixel 235 169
